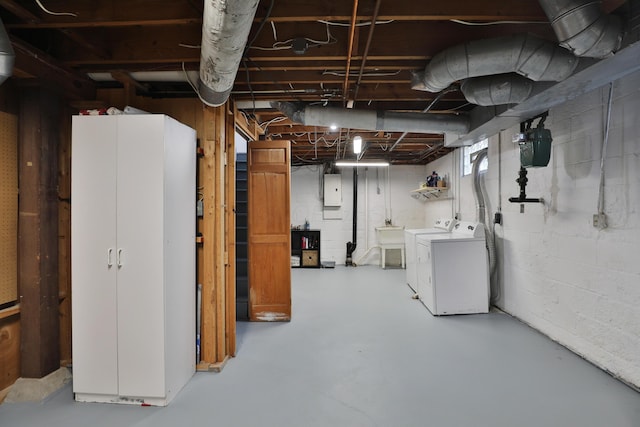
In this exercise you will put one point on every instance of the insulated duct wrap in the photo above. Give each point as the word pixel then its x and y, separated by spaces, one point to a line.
pixel 391 121
pixel 225 29
pixel 7 56
pixel 583 28
pixel 497 90
pixel 524 54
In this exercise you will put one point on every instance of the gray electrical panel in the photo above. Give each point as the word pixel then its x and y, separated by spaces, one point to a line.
pixel 333 190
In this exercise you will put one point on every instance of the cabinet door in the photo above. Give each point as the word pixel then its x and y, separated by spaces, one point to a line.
pixel 93 253
pixel 140 243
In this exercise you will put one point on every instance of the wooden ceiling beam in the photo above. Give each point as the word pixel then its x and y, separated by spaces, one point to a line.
pixel 35 21
pixel 48 70
pixel 106 24
pixel 490 10
pixel 20 11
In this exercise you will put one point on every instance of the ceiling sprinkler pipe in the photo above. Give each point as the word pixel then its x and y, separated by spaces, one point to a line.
pixel 225 29
pixel 7 55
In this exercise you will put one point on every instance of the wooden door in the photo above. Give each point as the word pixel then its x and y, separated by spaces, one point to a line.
pixel 269 231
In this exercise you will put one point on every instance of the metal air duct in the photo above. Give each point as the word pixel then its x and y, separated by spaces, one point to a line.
pixel 391 121
pixel 225 29
pixel 497 90
pixel 7 56
pixel 582 27
pixel 527 55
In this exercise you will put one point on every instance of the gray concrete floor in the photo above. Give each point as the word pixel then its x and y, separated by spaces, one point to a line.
pixel 360 352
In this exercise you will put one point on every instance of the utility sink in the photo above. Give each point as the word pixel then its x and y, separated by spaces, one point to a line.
pixel 390 235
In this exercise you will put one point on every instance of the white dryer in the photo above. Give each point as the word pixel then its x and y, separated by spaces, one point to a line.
pixel 453 270
pixel 442 225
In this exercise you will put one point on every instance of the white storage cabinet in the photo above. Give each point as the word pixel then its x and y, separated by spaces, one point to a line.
pixel 133 258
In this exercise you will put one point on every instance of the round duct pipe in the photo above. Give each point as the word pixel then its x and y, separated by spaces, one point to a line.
pixel 582 27
pixel 225 29
pixel 391 121
pixel 524 54
pixel 497 90
pixel 7 56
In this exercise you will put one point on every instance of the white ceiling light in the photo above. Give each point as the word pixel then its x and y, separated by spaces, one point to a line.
pixel 333 127
pixel 357 144
pixel 362 164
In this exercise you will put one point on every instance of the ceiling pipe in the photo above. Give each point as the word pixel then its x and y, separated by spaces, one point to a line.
pixel 524 54
pixel 497 90
pixel 582 27
pixel 390 121
pixel 225 29
pixel 352 33
pixel 374 18
pixel 426 110
pixel 7 55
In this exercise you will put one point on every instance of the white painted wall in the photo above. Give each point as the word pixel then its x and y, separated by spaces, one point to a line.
pixel 573 282
pixel 391 201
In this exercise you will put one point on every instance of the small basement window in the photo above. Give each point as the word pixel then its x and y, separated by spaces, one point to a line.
pixel 469 154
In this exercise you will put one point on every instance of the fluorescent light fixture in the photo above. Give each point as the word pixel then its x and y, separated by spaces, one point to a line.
pixel 362 164
pixel 333 127
pixel 357 144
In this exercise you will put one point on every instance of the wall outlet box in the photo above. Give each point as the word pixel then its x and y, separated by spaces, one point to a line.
pixel 600 221
pixel 200 208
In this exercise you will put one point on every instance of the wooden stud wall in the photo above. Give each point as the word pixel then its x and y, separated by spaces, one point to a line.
pixel 9 351
pixel 216 181
pixel 216 256
pixel 214 348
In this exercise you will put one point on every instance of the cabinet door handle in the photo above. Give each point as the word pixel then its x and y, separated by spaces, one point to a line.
pixel 119 257
pixel 109 263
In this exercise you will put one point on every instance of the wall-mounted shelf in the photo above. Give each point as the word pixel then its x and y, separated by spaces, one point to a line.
pixel 430 193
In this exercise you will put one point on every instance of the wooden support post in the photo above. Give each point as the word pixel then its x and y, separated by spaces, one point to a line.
pixel 221 306
pixel 213 331
pixel 38 232
pixel 64 238
pixel 230 231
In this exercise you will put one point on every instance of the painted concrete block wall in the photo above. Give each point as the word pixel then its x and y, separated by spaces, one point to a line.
pixel 575 283
pixel 382 193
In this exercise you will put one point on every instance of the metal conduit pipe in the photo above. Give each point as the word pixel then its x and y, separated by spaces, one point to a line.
pixel 497 90
pixel 524 54
pixel 582 27
pixel 482 216
pixel 391 121
pixel 7 55
pixel 426 110
pixel 225 29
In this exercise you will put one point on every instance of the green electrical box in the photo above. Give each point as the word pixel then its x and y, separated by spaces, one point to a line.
pixel 535 151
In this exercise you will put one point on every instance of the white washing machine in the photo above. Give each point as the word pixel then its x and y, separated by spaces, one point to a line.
pixel 453 270
pixel 442 225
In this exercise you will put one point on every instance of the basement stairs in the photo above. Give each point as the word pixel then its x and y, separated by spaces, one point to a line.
pixel 242 264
